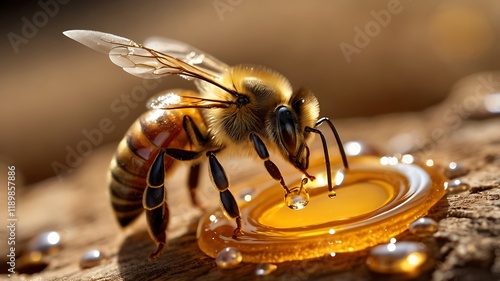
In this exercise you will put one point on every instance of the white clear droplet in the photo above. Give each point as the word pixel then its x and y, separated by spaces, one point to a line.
pixel 455 186
pixel 92 258
pixel 396 258
pixel 455 170
pixel 265 269
pixel 229 257
pixel 297 198
pixel 423 227
pixel 46 243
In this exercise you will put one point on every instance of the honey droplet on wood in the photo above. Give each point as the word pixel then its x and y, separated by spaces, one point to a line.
pixel 92 258
pixel 424 227
pixel 46 243
pixel 455 170
pixel 265 269
pixel 229 257
pixel 456 186
pixel 396 258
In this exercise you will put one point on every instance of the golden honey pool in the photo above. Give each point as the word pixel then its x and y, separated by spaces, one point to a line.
pixel 376 199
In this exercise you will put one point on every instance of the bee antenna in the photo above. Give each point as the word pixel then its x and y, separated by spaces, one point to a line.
pixel 325 147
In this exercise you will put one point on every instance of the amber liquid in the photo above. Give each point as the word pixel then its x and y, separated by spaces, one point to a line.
pixel 374 203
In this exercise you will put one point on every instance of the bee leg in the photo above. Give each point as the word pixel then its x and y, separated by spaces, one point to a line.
pixel 337 138
pixel 227 200
pixel 271 168
pixel 231 208
pixel 185 155
pixel 196 137
pixel 194 176
pixel 325 147
pixel 193 132
pixel 154 201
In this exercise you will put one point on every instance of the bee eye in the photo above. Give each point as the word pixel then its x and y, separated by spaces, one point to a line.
pixel 287 128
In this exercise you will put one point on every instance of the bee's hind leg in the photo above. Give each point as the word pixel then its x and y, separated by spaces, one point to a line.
pixel 194 176
pixel 154 202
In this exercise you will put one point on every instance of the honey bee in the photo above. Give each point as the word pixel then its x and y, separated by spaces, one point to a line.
pixel 244 110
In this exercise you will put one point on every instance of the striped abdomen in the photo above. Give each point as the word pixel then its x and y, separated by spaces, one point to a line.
pixel 152 131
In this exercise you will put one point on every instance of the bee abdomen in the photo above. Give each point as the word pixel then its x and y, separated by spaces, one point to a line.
pixel 134 155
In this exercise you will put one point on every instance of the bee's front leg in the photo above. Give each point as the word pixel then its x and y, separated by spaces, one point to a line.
pixel 271 168
pixel 154 201
pixel 219 178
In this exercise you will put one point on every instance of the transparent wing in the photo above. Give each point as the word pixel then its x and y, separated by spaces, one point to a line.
pixel 145 62
pixel 186 53
pixel 177 99
pixel 99 41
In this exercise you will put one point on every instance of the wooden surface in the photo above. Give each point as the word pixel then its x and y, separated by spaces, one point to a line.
pixel 466 247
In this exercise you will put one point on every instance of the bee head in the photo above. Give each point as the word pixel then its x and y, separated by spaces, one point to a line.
pixel 288 125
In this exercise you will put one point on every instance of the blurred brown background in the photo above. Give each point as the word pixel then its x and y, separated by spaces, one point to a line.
pixel 361 58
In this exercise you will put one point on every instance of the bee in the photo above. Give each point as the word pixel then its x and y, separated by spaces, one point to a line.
pixel 243 110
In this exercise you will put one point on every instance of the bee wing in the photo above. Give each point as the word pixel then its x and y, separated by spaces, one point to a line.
pixel 145 62
pixel 172 100
pixel 186 53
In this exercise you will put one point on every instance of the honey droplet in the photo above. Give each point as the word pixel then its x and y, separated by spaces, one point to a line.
pixel 92 258
pixel 297 198
pixel 332 194
pixel 265 269
pixel 374 203
pixel 455 170
pixel 229 257
pixel 38 252
pixel 46 243
pixel 456 186
pixel 424 227
pixel 395 258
